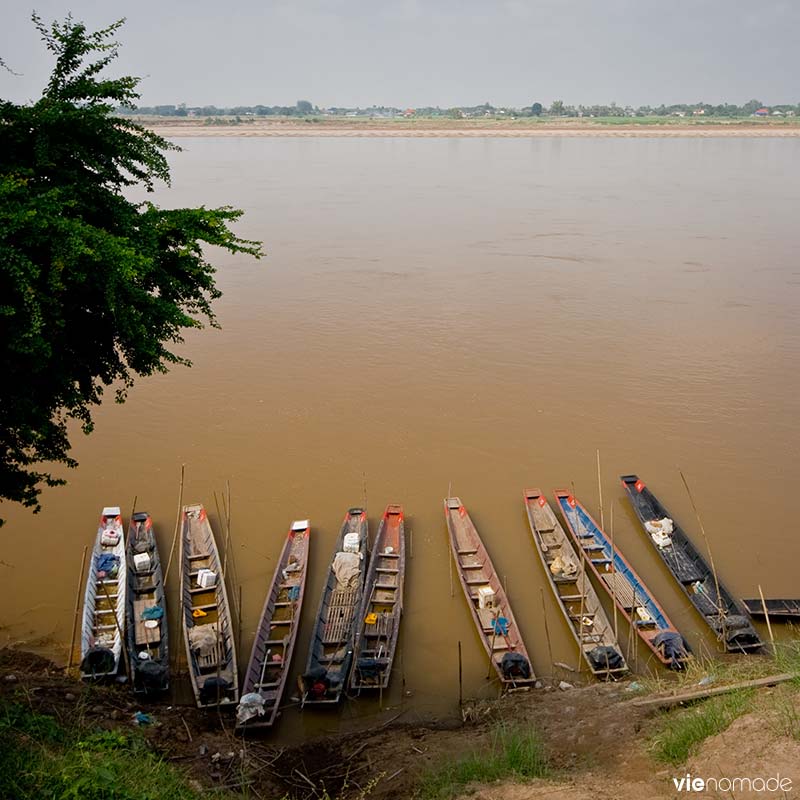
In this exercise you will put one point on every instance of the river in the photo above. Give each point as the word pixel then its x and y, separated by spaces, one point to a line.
pixel 481 314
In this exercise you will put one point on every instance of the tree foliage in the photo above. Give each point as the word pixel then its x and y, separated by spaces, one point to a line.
pixel 95 289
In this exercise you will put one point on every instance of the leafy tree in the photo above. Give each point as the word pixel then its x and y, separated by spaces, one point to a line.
pixel 557 108
pixel 751 106
pixel 304 107
pixel 94 289
pixel 536 109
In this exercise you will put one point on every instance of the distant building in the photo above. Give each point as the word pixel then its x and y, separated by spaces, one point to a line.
pixel 698 112
pixel 761 112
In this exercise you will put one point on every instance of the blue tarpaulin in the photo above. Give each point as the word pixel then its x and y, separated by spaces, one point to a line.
pixel 501 626
pixel 106 562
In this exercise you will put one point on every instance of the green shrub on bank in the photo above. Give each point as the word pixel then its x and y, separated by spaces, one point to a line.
pixel 516 753
pixel 681 732
pixel 43 760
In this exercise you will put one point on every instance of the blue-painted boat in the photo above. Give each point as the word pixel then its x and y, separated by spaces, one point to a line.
pixel 627 590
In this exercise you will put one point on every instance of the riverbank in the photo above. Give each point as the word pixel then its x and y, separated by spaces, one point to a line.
pixel 565 743
pixel 254 127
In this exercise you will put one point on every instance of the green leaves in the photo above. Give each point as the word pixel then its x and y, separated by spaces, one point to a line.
pixel 95 290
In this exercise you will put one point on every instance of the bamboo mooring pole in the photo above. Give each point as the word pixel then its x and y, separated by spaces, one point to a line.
pixel 460 679
pixel 600 492
pixel 766 617
pixel 613 576
pixel 178 521
pixel 491 648
pixel 450 562
pixel 718 600
pixel 546 628
pixel 77 606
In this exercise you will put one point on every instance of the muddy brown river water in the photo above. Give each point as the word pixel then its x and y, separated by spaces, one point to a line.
pixel 483 314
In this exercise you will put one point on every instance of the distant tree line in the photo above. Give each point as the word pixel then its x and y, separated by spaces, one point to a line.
pixel 304 108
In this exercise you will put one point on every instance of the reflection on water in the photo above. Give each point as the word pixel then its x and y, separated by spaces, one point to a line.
pixel 468 316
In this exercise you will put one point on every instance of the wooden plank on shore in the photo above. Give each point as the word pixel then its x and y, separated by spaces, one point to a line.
pixel 688 697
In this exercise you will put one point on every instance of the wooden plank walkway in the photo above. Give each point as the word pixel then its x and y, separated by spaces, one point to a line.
pixel 620 588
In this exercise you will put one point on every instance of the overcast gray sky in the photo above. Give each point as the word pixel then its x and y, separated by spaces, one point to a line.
pixel 439 52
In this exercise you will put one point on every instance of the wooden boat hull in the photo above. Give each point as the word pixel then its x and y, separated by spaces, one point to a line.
pixel 207 626
pixel 618 578
pixel 104 604
pixel 784 609
pixel 580 606
pixel 726 618
pixel 378 622
pixel 273 647
pixel 148 633
pixel 330 655
pixel 487 600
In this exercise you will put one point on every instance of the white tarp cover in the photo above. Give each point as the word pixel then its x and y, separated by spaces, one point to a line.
pixel 659 530
pixel 203 638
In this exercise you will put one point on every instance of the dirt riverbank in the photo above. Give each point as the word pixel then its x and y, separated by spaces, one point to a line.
pixel 249 127
pixel 596 740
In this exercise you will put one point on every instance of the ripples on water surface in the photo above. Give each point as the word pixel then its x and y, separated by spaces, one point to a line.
pixel 483 313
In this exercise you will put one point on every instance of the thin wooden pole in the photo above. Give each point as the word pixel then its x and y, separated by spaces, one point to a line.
pixel 614 576
pixel 460 679
pixel 181 627
pixel 452 589
pixel 77 606
pixel 581 582
pixel 582 587
pixel 718 602
pixel 133 506
pixel 178 521
pixel 600 492
pixel 546 628
pixel 766 616
pixel 227 522
pixel 239 620
pixel 491 649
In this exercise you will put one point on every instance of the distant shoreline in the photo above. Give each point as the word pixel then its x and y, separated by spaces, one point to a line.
pixel 169 127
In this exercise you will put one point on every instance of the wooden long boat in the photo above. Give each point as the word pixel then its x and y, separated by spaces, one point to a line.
pixel 715 604
pixel 576 597
pixel 103 626
pixel 271 656
pixel 207 627
pixel 330 653
pixel 486 597
pixel 627 590
pixel 378 624
pixel 780 609
pixel 148 632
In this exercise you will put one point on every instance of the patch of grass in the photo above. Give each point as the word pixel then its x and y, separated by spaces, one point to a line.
pixel 39 758
pixel 787 658
pixel 516 753
pixel 681 732
pixel 786 719
pixel 727 669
